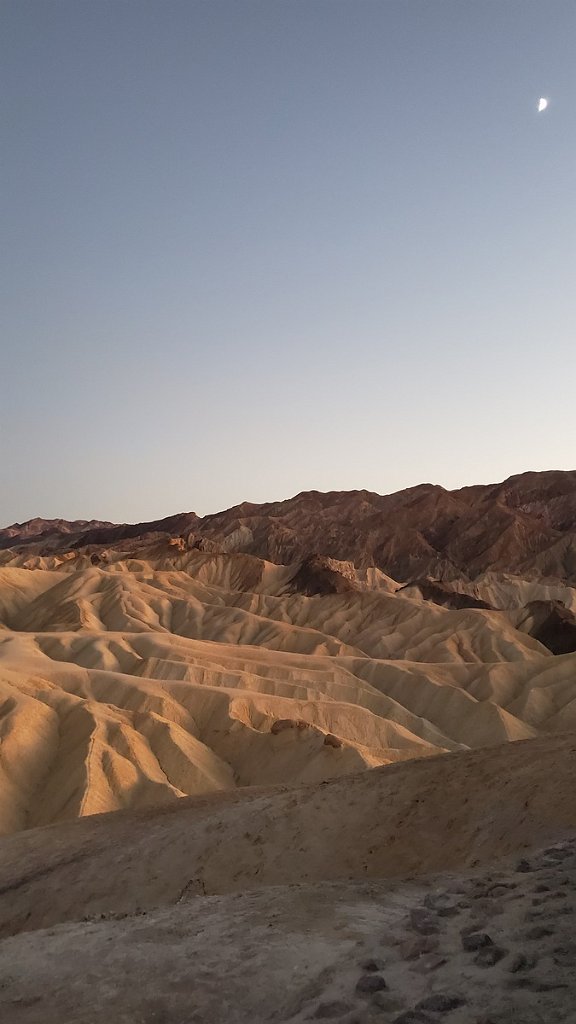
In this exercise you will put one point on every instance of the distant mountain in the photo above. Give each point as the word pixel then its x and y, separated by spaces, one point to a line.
pixel 525 525
pixel 44 530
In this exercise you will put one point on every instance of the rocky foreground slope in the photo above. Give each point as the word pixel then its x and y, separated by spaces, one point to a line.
pixel 294 905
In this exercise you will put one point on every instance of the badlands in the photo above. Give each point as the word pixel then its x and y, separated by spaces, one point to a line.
pixel 301 713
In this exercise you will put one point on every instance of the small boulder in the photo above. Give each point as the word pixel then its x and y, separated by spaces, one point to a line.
pixel 370 983
pixel 498 891
pixel 414 948
pixel 423 922
pixel 281 724
pixel 473 941
pixel 430 962
pixel 442 904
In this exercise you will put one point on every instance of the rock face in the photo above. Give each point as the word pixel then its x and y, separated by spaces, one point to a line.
pixel 442 594
pixel 551 623
pixel 525 525
pixel 318 575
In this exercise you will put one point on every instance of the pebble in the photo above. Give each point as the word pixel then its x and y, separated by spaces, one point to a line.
pixel 432 899
pixel 370 983
pixel 448 910
pixel 472 941
pixel 431 962
pixel 494 892
pixel 422 921
pixel 415 948
pixel 442 904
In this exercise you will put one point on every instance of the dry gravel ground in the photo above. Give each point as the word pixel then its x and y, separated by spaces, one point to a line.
pixel 289 904
pixel 483 947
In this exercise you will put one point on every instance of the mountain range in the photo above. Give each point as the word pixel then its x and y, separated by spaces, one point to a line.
pixel 525 525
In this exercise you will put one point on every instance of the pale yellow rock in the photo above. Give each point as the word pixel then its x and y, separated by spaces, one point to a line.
pixel 133 683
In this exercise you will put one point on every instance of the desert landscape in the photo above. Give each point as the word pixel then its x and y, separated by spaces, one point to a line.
pixel 288 512
pixel 338 735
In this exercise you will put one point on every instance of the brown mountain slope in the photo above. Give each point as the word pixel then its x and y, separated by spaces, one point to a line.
pixel 525 525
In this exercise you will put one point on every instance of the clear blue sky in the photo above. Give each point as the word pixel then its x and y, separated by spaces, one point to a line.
pixel 259 246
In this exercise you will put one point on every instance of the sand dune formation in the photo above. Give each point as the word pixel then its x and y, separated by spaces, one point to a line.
pixel 257 662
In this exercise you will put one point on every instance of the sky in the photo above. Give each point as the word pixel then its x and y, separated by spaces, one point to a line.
pixel 255 247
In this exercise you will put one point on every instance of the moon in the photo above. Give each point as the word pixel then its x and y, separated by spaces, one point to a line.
pixel 542 104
